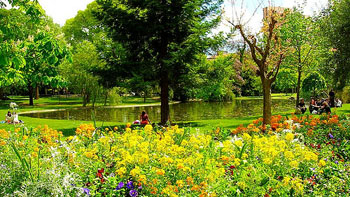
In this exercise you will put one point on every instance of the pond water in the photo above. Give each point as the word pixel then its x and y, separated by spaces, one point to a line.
pixel 178 112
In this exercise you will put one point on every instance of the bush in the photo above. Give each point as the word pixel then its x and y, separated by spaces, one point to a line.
pixel 345 94
pixel 113 96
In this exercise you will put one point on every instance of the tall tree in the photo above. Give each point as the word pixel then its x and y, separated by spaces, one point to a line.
pixel 85 27
pixel 267 55
pixel 161 35
pixel 297 34
pixel 78 73
pixel 13 33
pixel 334 29
pixel 43 55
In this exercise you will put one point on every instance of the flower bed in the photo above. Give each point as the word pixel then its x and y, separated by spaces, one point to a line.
pixel 297 156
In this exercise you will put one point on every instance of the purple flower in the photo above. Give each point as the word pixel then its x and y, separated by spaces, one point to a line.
pixel 120 185
pixel 330 135
pixel 86 191
pixel 130 185
pixel 140 187
pixel 133 193
pixel 336 162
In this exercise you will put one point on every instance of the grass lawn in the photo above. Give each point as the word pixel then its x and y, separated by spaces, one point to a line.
pixel 68 126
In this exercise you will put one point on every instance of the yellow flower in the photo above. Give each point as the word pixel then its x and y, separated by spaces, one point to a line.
pixel 121 171
pixel 321 163
pixel 289 136
pixel 286 180
pixel 128 125
pixel 34 154
pixel 238 143
pixel 89 154
pixel 246 137
pixel 294 164
pixel 160 172
pixel 2 143
pixel 267 161
pixel 136 171
pixel 180 183
pixel 106 129
pixel 115 128
pixel 289 155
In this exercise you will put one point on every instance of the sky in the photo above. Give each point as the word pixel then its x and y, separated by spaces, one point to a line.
pixel 61 10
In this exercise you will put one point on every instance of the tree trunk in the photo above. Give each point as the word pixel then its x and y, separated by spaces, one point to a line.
pixel 31 96
pixel 144 97
pixel 2 94
pixel 298 86
pixel 164 97
pixel 267 101
pixel 37 92
pixel 84 100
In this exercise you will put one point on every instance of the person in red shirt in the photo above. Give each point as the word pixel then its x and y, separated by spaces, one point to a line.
pixel 144 118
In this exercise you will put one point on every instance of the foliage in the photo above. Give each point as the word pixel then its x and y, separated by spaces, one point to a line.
pixel 216 79
pixel 161 36
pixel 114 97
pixel 313 84
pixel 345 94
pixel 78 73
pixel 13 33
pixel 286 80
pixel 85 27
pixel 334 23
pixel 297 34
pixel 43 55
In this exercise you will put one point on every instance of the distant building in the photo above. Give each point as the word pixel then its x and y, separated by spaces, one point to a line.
pixel 267 11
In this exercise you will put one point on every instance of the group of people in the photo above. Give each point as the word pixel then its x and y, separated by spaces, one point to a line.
pixel 12 118
pixel 319 106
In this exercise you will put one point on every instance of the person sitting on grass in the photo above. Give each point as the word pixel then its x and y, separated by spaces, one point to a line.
pixel 301 106
pixel 338 103
pixel 325 108
pixel 9 117
pixel 144 118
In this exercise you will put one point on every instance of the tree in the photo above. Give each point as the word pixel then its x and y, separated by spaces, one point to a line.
pixel 267 55
pixel 286 79
pixel 296 33
pixel 78 73
pixel 334 24
pixel 13 33
pixel 85 27
pixel 160 35
pixel 43 55
pixel 313 82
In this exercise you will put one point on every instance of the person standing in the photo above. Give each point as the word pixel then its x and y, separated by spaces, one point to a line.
pixel 331 98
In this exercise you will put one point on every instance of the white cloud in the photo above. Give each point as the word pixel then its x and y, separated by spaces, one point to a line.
pixel 61 10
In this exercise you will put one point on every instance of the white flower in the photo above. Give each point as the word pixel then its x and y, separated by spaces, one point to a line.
pixel 13 105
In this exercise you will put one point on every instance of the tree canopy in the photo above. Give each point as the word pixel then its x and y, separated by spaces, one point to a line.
pixel 161 36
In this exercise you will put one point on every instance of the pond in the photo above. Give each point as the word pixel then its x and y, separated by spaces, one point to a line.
pixel 188 111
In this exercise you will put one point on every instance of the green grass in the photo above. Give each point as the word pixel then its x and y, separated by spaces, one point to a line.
pixel 273 96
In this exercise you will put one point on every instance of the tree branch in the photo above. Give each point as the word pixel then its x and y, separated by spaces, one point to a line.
pixel 278 68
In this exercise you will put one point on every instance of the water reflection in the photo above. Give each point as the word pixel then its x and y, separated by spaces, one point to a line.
pixel 178 112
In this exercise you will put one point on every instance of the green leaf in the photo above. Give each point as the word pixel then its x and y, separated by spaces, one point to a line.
pixel 4 60
pixel 52 59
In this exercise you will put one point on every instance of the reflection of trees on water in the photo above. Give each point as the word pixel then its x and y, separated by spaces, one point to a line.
pixel 178 112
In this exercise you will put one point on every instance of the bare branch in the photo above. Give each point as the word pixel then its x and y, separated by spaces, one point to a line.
pixel 282 56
